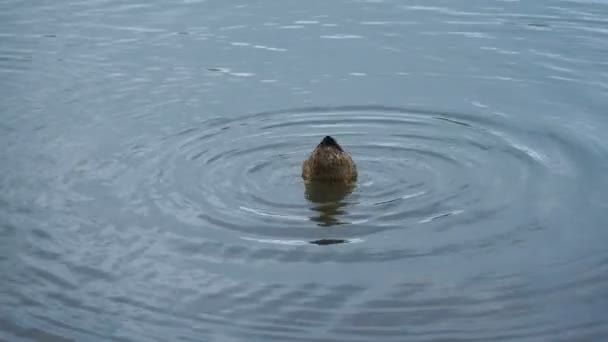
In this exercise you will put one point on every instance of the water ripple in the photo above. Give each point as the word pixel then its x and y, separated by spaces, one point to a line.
pixel 421 172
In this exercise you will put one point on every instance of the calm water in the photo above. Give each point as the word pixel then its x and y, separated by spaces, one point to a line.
pixel 150 182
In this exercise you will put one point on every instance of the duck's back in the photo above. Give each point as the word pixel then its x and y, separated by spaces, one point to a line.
pixel 329 163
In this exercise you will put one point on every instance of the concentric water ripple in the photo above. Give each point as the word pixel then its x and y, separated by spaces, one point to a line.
pixel 424 174
pixel 234 223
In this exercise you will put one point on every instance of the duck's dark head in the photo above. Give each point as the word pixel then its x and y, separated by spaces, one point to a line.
pixel 330 142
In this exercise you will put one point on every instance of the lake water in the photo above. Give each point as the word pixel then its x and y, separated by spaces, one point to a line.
pixel 150 183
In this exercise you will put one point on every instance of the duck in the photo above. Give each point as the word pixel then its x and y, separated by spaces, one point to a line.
pixel 329 163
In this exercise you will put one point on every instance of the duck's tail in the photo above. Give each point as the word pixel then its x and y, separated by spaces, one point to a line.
pixel 330 142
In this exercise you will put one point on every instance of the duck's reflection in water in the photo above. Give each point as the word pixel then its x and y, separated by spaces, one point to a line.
pixel 328 205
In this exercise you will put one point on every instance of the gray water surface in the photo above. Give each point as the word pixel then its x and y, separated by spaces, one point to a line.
pixel 150 182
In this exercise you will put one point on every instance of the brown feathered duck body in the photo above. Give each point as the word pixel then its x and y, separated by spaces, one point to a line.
pixel 328 162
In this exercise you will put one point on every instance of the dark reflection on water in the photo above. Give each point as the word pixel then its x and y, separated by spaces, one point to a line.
pixel 325 242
